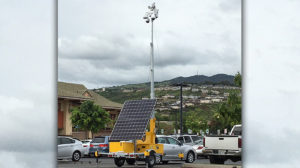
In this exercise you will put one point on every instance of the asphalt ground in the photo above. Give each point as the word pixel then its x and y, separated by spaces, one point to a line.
pixel 109 163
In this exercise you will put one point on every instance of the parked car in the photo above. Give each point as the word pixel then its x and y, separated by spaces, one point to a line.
pixel 69 148
pixel 86 146
pixel 199 149
pixel 189 139
pixel 99 143
pixel 172 147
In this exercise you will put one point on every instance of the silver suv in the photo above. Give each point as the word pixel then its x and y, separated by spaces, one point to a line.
pixel 189 139
pixel 172 147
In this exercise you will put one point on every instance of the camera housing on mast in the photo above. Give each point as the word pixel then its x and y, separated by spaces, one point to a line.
pixel 152 14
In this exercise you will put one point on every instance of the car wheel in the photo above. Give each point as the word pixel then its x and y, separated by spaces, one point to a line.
pixel 76 156
pixel 157 159
pixel 130 161
pixel 119 161
pixel 151 160
pixel 190 157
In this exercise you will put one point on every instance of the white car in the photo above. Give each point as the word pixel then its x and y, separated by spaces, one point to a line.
pixel 199 149
pixel 172 147
pixel 69 148
pixel 193 140
pixel 86 146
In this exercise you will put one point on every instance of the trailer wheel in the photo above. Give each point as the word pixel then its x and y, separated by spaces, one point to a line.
pixel 151 159
pixel 130 161
pixel 119 161
pixel 157 159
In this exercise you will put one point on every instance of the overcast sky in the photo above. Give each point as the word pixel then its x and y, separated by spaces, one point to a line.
pixel 271 81
pixel 28 80
pixel 271 92
pixel 105 43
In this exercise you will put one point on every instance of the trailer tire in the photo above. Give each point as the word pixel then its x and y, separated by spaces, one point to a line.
pixel 157 159
pixel 151 159
pixel 119 161
pixel 130 161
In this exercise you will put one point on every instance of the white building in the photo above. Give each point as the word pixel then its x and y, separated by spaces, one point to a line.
pixel 205 101
pixel 195 90
pixel 167 96
pixel 204 90
pixel 215 100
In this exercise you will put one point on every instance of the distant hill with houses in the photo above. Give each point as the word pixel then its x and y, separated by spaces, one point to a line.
pixel 202 79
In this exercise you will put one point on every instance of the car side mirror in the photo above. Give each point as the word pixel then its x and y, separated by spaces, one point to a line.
pixel 180 143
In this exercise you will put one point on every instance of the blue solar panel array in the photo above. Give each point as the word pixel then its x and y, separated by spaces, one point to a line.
pixel 133 120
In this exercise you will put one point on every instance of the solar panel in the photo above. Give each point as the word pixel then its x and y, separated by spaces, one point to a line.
pixel 133 120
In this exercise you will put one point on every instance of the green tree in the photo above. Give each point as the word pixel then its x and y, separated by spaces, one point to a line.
pixel 89 117
pixel 195 122
pixel 238 79
pixel 229 113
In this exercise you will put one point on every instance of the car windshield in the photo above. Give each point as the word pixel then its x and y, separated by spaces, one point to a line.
pixel 172 141
pixel 162 140
pixel 237 131
pixel 98 140
pixel 196 139
pixel 199 142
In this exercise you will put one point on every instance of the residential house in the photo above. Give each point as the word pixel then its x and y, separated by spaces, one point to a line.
pixel 71 95
pixel 167 96
pixel 205 101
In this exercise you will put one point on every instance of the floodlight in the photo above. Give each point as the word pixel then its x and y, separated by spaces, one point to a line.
pixel 152 14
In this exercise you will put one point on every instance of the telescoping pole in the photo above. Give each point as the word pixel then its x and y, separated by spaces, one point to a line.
pixel 152 96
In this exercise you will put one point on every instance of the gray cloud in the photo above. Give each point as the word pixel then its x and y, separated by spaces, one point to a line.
pixel 271 90
pixel 231 6
pixel 116 46
pixel 27 93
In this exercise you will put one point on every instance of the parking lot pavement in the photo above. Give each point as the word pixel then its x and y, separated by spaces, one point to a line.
pixel 109 163
pixel 189 165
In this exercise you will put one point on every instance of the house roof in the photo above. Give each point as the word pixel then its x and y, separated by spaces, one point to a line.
pixel 79 91
pixel 103 102
pixel 71 90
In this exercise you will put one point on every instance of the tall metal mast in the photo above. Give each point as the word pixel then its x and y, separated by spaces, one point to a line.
pixel 151 16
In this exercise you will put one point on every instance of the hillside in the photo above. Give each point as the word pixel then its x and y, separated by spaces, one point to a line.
pixel 202 79
pixel 218 79
pixel 138 91
pixel 202 97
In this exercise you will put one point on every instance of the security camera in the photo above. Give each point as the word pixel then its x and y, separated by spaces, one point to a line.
pixel 153 17
pixel 156 13
pixel 146 15
pixel 147 20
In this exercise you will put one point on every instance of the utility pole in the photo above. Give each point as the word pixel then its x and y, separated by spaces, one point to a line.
pixel 181 130
pixel 151 16
pixel 181 84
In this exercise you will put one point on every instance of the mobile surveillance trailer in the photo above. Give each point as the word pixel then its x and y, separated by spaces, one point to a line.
pixel 129 139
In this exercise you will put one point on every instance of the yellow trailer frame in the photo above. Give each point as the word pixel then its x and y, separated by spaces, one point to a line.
pixel 139 149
